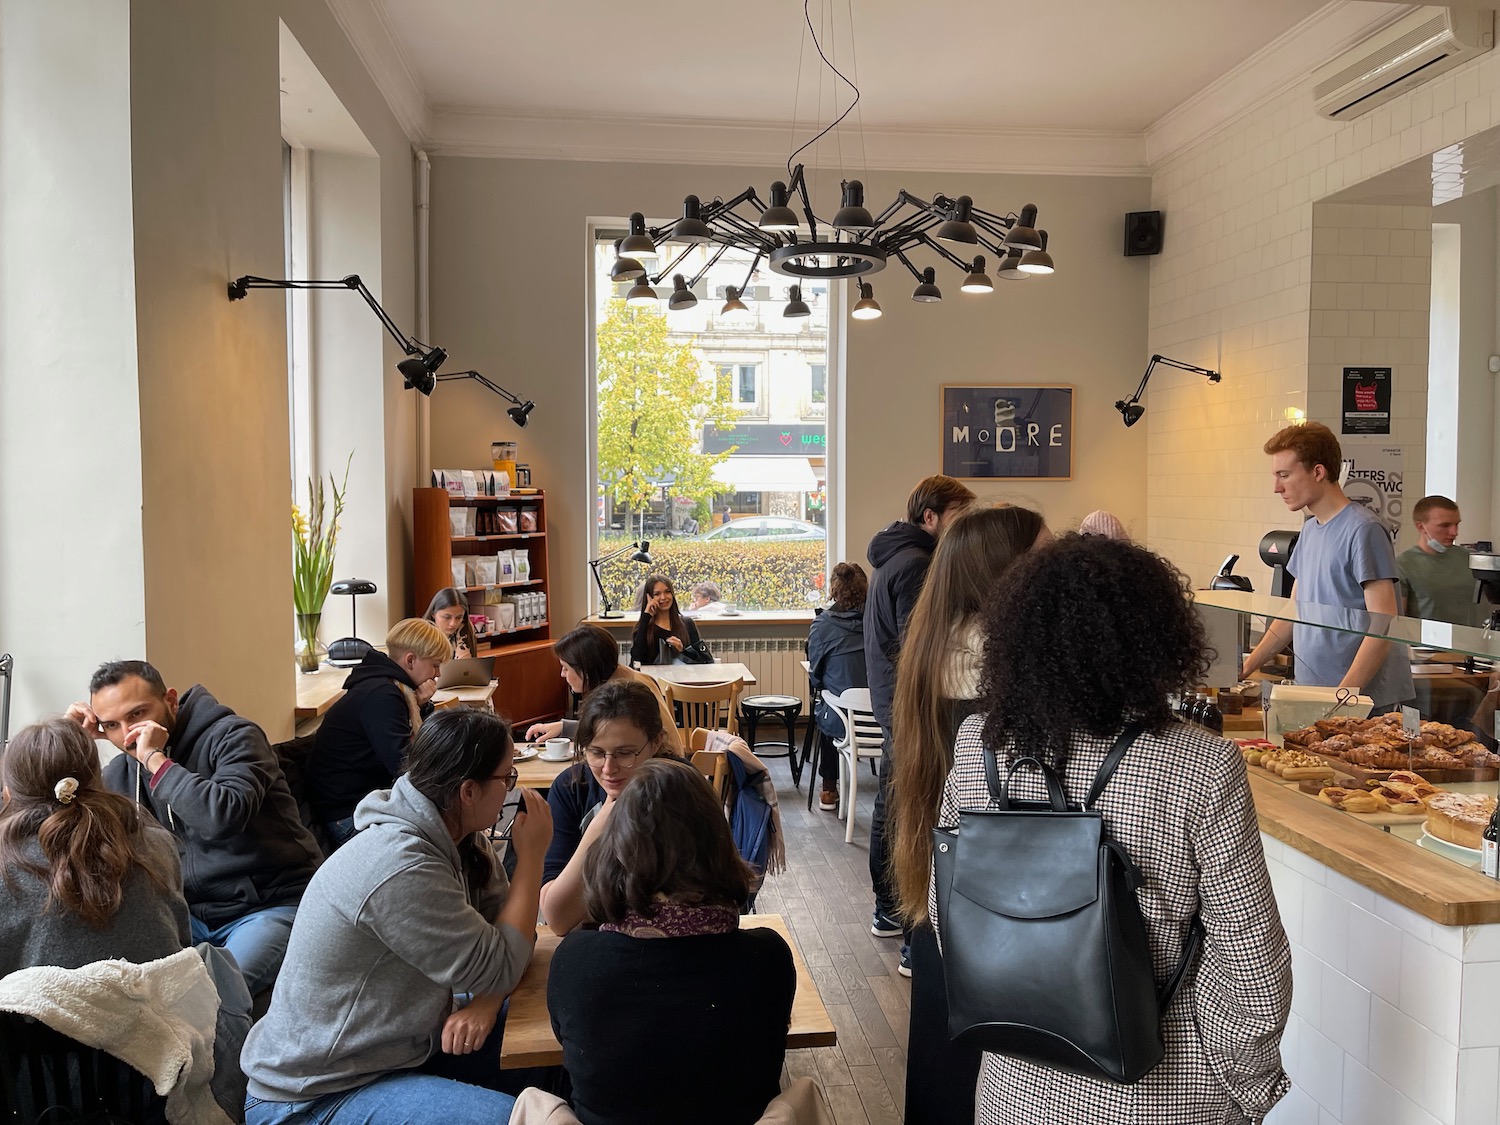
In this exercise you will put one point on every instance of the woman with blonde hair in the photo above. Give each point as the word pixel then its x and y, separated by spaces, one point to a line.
pixel 368 731
pixel 86 877
pixel 937 687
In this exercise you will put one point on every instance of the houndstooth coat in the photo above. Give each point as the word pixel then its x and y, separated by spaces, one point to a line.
pixel 1180 804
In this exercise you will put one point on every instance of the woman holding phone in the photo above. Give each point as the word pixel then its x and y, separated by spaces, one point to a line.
pixel 662 633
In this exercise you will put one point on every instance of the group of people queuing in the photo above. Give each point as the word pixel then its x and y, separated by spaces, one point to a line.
pixel 381 955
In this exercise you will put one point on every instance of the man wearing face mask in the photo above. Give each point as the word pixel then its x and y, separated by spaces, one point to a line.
pixel 1435 581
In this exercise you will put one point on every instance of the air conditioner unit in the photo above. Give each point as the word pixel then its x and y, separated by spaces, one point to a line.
pixel 1413 49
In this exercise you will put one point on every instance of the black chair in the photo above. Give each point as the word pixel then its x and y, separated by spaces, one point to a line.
pixel 50 1078
pixel 753 708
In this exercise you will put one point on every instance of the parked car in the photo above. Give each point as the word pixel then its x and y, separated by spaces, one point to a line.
pixel 781 528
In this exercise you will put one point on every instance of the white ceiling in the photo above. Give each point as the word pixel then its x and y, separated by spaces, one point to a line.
pixel 1064 85
pixel 1056 64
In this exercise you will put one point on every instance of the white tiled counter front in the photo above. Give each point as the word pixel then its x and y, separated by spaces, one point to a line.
pixel 1395 1018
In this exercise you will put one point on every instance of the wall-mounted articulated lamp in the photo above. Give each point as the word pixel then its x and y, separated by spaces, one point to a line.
pixel 642 555
pixel 1131 408
pixel 419 369
pixel 518 413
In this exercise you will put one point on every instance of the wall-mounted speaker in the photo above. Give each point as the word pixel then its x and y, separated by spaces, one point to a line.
pixel 1143 233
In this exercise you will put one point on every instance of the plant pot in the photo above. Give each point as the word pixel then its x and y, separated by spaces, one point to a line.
pixel 310 651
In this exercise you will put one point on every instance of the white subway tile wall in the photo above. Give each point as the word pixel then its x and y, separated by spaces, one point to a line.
pixel 1234 287
pixel 1394 1019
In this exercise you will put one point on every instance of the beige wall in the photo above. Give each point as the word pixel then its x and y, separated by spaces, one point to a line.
pixel 509 275
pixel 208 207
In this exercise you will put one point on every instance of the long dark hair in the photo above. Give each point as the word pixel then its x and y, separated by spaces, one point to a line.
pixel 666 836
pixel 674 614
pixel 972 553
pixel 592 651
pixel 453 747
pixel 1082 637
pixel 447 598
pixel 90 841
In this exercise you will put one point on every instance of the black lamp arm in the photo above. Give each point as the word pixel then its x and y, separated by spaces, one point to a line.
pixel 1213 376
pixel 905 261
pixel 478 378
pixel 604 606
pixel 242 285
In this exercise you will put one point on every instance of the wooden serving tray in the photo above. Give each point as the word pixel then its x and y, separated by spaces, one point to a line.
pixel 1431 773
pixel 1376 818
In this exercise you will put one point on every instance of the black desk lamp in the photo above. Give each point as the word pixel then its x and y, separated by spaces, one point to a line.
pixel 641 555
pixel 1131 407
pixel 347 651
pixel 519 413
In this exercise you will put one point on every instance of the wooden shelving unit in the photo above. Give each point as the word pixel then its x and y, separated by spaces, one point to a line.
pixel 531 689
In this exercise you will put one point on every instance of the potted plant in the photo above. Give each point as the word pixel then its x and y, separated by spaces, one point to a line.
pixel 313 546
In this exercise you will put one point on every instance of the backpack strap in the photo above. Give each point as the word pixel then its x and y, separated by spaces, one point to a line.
pixel 1190 949
pixel 1128 736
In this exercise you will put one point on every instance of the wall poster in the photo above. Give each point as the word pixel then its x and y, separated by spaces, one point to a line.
pixel 1373 477
pixel 1011 433
pixel 1367 400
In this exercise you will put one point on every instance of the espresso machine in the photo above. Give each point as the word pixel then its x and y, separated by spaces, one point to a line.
pixel 1486 571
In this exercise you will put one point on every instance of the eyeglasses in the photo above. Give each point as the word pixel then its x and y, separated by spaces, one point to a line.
pixel 510 778
pixel 626 758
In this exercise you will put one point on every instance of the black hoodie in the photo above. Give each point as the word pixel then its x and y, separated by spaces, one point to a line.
pixel 226 802
pixel 900 555
pixel 362 739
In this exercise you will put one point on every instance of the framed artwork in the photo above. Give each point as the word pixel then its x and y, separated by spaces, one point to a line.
pixel 1008 433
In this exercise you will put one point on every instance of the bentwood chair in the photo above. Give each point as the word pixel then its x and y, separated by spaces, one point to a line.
pixel 705 705
pixel 47 1077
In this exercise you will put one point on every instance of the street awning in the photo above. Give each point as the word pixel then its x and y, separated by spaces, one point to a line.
pixel 766 474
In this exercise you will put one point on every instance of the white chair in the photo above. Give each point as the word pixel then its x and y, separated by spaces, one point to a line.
pixel 862 739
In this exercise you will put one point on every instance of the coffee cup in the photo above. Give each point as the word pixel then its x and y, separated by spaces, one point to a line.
pixel 557 749
pixel 730 609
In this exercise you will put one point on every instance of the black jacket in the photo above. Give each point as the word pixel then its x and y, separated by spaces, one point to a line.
pixel 645 642
pixel 363 739
pixel 242 845
pixel 836 660
pixel 900 556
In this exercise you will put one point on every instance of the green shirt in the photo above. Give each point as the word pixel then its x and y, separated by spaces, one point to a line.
pixel 1439 587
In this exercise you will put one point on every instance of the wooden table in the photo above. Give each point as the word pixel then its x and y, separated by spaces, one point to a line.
pixel 537 774
pixel 529 1040
pixel 691 675
pixel 317 692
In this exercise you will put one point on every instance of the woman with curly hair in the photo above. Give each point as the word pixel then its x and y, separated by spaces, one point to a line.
pixel 86 877
pixel 1082 639
pixel 937 687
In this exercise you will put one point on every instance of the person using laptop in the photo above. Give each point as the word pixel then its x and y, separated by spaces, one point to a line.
pixel 366 734
pixel 449 611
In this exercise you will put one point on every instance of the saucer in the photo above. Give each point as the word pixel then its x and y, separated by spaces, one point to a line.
pixel 547 757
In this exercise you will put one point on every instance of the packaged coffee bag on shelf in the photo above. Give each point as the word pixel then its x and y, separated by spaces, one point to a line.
pixel 527 519
pixel 460 573
pixel 523 565
pixel 505 568
pixel 485 570
pixel 506 519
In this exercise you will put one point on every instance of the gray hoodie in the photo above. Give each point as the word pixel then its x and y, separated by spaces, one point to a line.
pixel 385 935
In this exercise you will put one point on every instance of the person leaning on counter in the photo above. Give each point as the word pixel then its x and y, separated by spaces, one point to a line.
pixel 1343 558
pixel 1435 581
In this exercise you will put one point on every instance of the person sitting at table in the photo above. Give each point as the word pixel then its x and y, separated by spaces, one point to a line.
pixel 414 909
pixel 449 611
pixel 662 632
pixel 619 727
pixel 210 778
pixel 835 661
pixel 87 876
pixel 707 598
pixel 665 884
pixel 589 657
pixel 366 733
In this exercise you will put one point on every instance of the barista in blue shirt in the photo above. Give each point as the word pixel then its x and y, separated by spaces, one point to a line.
pixel 1344 560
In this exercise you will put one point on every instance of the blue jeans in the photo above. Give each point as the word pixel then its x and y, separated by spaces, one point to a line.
pixel 402 1098
pixel 339 832
pixel 257 940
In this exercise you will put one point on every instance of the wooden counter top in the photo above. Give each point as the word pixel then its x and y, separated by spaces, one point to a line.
pixel 1436 888
pixel 801 618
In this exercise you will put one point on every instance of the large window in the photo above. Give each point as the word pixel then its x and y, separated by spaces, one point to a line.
pixel 711 438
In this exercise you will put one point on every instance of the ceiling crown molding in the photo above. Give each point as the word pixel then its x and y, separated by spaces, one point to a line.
pixel 370 34
pixel 1284 63
pixel 469 131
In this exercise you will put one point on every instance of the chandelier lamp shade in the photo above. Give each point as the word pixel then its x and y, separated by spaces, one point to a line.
pixel 1131 409
pixel 855 245
pixel 418 370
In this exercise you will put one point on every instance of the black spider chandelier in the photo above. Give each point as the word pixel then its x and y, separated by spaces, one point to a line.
pixel 854 245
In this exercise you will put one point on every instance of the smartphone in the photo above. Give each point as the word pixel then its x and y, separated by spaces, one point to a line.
pixel 501 830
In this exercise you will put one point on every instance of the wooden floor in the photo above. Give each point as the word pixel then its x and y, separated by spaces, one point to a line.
pixel 825 897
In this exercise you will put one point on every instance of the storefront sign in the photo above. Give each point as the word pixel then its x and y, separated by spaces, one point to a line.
pixel 1373 477
pixel 762 440
pixel 1367 400
pixel 1018 433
